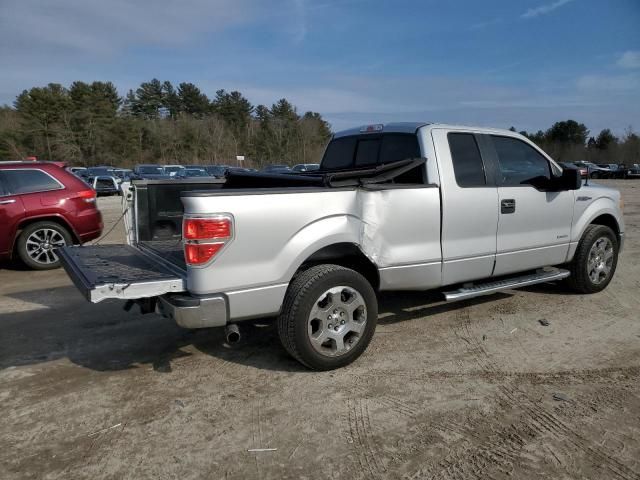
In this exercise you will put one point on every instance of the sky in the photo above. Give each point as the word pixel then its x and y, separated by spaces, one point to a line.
pixel 526 63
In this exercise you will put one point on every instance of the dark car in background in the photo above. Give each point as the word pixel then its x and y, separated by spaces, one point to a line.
pixel 191 172
pixel 105 185
pixel 594 171
pixel 150 172
pixel 583 170
pixel 217 170
pixel 633 171
pixel 306 167
pixel 44 207
pixel 276 169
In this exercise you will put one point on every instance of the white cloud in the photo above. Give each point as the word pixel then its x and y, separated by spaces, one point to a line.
pixel 544 9
pixel 107 27
pixel 487 23
pixel 609 84
pixel 629 59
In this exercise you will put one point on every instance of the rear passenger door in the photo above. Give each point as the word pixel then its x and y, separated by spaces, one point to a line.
pixel 469 206
pixel 534 225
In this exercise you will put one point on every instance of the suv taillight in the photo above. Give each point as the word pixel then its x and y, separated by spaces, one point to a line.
pixel 88 196
pixel 204 237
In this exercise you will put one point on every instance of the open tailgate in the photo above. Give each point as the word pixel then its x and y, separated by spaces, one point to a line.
pixel 118 271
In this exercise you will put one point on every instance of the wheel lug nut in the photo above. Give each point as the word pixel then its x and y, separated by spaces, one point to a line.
pixel 336 329
pixel 331 325
pixel 342 322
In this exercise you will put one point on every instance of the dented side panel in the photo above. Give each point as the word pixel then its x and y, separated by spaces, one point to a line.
pixel 275 233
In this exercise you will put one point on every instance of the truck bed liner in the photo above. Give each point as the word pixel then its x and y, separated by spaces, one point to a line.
pixel 117 271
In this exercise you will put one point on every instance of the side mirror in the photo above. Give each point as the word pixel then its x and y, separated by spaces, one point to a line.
pixel 570 179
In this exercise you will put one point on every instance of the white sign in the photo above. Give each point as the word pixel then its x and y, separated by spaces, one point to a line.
pixel 240 158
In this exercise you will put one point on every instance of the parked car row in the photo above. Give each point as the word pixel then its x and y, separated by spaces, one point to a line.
pixel 604 170
pixel 105 179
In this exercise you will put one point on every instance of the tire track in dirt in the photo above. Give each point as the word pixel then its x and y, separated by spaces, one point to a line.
pixel 361 433
pixel 502 448
pixel 540 419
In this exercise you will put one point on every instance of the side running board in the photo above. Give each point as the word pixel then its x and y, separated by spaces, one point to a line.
pixel 487 288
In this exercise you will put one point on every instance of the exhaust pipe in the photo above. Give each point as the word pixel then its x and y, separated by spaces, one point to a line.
pixel 232 333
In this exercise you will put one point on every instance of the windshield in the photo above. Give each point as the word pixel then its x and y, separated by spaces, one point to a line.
pixel 150 170
pixel 94 171
pixel 195 172
pixel 175 169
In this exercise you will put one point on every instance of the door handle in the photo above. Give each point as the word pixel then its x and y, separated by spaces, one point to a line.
pixel 508 206
pixel 6 202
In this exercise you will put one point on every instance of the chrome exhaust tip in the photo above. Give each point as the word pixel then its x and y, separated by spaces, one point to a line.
pixel 232 334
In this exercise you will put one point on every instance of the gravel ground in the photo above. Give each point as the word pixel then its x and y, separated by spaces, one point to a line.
pixel 473 390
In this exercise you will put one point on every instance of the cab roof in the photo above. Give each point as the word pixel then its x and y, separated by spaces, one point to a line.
pixel 412 127
pixel 393 127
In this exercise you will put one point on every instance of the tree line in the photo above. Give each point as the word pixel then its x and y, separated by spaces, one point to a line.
pixel 90 124
pixel 570 141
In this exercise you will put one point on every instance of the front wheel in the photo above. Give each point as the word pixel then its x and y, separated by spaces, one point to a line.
pixel 328 317
pixel 595 260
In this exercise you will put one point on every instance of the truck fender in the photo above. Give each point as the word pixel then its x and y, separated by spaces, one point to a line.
pixel 602 211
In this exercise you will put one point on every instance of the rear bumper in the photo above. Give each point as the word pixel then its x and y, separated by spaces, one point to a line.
pixel 195 312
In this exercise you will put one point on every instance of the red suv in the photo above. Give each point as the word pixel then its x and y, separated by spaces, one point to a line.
pixel 42 207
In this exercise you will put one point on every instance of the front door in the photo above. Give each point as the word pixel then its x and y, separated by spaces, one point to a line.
pixel 534 225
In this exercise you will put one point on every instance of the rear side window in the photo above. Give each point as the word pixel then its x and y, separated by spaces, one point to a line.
pixel 467 162
pixel 367 152
pixel 399 147
pixel 28 181
pixel 339 154
pixel 519 162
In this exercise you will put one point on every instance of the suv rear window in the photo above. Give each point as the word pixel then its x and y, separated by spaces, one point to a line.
pixel 28 180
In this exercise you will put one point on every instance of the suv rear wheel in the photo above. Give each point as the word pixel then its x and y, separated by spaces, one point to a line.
pixel 328 317
pixel 36 245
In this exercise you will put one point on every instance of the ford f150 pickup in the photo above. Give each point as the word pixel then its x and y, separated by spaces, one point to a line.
pixel 402 206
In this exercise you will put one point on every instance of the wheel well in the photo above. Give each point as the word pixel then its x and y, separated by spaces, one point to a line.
pixel 609 221
pixel 60 221
pixel 346 255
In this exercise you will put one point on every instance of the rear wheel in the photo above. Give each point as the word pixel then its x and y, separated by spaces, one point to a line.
pixel 37 244
pixel 595 260
pixel 328 317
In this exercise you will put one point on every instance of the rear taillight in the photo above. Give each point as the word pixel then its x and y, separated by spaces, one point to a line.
pixel 205 237
pixel 88 196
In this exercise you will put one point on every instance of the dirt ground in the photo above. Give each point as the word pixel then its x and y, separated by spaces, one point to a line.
pixel 473 390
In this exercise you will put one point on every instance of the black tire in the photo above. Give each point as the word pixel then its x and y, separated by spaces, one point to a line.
pixel 580 280
pixel 303 294
pixel 48 260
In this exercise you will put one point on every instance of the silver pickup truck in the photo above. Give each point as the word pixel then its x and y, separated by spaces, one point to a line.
pixel 401 206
